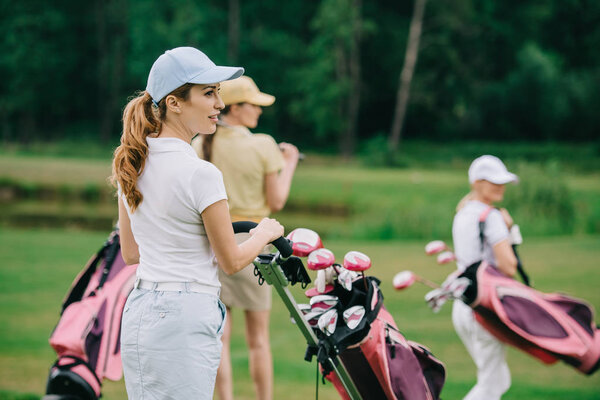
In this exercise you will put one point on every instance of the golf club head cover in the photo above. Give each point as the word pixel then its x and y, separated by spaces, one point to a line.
pixel 324 277
pixel 515 235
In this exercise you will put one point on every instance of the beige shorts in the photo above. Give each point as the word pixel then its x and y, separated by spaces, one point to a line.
pixel 241 290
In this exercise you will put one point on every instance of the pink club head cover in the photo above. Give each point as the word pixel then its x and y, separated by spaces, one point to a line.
pixel 314 292
pixel 304 241
pixel 404 279
pixel 446 257
pixel 356 261
pixel 320 259
pixel 435 247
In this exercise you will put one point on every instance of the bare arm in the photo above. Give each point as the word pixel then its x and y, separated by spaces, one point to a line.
pixel 129 247
pixel 277 185
pixel 231 256
pixel 505 258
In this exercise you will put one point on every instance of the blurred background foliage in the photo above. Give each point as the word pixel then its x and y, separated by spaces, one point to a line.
pixel 487 70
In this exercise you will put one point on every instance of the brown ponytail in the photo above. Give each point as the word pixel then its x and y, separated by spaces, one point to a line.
pixel 140 119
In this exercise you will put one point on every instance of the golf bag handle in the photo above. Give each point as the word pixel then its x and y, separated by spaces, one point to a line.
pixel 282 244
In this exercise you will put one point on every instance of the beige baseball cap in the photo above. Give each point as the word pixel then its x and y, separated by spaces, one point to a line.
pixel 244 90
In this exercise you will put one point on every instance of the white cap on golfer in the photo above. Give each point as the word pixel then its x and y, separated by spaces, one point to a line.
pixel 491 169
pixel 183 65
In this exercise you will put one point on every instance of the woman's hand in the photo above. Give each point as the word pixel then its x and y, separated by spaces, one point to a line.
pixel 268 228
pixel 290 152
pixel 507 218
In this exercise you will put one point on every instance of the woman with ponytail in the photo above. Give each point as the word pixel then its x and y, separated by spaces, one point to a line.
pixel 174 221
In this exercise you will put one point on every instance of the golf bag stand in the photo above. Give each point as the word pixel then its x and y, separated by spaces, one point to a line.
pixel 381 362
pixel 548 326
pixel 86 338
pixel 281 270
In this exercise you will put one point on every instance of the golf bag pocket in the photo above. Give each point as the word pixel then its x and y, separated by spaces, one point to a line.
pixel 387 366
pixel 79 331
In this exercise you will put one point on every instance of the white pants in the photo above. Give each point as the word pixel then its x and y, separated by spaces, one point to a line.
pixel 171 344
pixel 493 375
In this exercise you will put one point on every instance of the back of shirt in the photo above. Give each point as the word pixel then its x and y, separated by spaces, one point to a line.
pixel 167 225
pixel 244 159
pixel 465 234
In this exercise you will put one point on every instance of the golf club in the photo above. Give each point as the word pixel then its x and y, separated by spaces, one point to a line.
pixel 357 262
pixel 304 241
pixel 328 322
pixel 446 257
pixel 353 315
pixel 405 279
pixel 435 247
pixel 323 302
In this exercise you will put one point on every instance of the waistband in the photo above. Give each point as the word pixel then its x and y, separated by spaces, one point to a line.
pixel 194 287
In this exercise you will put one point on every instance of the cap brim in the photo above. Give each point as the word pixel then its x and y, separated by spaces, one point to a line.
pixel 261 99
pixel 504 179
pixel 218 74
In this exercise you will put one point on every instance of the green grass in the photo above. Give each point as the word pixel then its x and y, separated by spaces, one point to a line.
pixel 557 195
pixel 37 266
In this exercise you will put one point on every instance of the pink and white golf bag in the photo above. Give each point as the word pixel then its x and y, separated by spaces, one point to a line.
pixel 86 338
pixel 549 327
pixel 380 361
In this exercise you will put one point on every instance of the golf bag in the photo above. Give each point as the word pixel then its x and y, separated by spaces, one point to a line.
pixel 86 338
pixel 380 361
pixel 549 327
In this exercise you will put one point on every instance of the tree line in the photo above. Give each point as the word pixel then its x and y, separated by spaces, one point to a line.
pixel 481 69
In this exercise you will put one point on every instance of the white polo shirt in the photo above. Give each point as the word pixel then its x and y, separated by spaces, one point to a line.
pixel 176 186
pixel 465 234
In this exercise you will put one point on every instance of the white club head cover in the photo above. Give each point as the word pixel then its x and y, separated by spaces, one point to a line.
pixel 346 277
pixel 328 322
pixel 324 277
pixel 515 235
pixel 323 302
pixel 353 316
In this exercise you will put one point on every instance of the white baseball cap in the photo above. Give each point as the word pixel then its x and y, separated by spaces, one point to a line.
pixel 491 169
pixel 183 65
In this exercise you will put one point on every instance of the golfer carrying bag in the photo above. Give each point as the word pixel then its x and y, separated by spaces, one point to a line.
pixel 487 176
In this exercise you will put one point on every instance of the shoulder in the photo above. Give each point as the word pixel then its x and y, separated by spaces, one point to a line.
pixel 263 138
pixel 203 168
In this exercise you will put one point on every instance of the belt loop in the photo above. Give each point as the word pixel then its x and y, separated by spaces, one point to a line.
pixel 136 284
pixel 154 285
pixel 186 286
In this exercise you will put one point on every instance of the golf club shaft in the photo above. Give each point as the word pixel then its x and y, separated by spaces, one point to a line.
pixel 426 282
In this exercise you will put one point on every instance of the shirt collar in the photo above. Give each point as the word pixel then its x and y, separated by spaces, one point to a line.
pixel 234 129
pixel 163 145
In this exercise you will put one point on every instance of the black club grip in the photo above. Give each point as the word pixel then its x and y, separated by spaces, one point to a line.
pixel 281 243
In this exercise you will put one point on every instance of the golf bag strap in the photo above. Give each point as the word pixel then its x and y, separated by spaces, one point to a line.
pixel 110 254
pixel 76 361
pixel 482 217
pixel 79 288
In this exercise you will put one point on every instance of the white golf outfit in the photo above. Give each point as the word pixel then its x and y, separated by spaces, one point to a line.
pixel 493 375
pixel 173 319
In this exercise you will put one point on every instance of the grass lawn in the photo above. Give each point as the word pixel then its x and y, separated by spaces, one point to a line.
pixel 37 267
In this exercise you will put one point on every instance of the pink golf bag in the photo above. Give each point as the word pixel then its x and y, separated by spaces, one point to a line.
pixel 86 338
pixel 549 327
pixel 378 358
